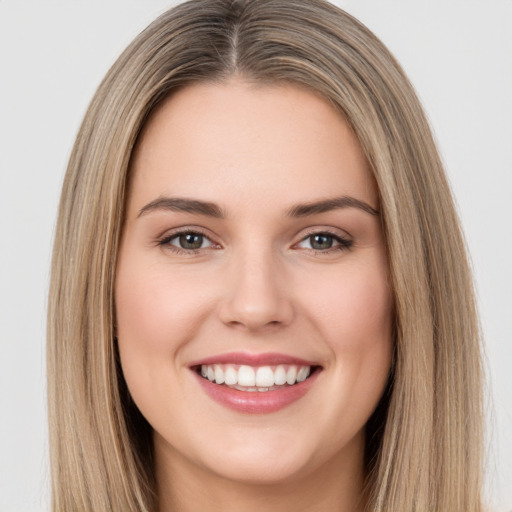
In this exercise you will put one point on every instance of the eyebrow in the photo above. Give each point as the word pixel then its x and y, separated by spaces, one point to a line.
pixel 179 204
pixel 195 206
pixel 326 205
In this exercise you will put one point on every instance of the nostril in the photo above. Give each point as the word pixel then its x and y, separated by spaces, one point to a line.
pixel 257 302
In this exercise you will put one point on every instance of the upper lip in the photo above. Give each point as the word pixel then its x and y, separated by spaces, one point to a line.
pixel 245 358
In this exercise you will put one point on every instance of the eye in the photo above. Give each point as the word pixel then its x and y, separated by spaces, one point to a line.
pixel 324 242
pixel 187 241
pixel 321 241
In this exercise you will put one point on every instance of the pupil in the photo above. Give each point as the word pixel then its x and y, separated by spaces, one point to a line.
pixel 321 241
pixel 191 241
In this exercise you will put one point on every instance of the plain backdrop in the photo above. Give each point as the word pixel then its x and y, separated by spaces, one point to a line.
pixel 458 54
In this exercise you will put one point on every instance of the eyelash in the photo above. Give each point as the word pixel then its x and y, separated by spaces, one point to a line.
pixel 166 241
pixel 343 244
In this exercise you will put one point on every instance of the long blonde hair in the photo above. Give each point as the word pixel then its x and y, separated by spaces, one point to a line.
pixel 424 441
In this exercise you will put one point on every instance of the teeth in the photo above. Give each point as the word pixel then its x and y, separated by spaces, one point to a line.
pixel 230 376
pixel 280 376
pixel 219 374
pixel 303 374
pixel 291 375
pixel 248 378
pixel 264 377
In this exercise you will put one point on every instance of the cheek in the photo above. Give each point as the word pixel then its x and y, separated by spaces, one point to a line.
pixel 156 311
pixel 355 309
pixel 355 317
pixel 156 314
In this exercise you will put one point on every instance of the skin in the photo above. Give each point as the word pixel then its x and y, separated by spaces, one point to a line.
pixel 256 285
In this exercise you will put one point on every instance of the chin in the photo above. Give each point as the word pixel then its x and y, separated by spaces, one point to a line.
pixel 265 456
pixel 277 469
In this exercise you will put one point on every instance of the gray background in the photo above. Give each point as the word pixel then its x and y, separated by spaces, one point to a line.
pixel 53 54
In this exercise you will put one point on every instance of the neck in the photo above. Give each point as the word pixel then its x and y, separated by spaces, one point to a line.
pixel 186 487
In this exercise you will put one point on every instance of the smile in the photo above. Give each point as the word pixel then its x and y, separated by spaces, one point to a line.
pixel 255 379
pixel 255 384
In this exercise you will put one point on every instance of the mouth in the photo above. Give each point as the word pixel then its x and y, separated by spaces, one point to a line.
pixel 255 384
pixel 256 378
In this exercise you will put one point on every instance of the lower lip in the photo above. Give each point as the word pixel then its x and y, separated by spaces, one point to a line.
pixel 257 402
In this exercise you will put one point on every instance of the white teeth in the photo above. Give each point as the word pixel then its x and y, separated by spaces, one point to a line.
pixel 248 378
pixel 264 377
pixel 303 374
pixel 291 375
pixel 219 374
pixel 230 376
pixel 280 376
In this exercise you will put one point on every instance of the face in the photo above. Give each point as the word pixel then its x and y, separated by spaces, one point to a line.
pixel 253 306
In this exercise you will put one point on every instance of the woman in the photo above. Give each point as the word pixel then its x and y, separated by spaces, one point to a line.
pixel 260 294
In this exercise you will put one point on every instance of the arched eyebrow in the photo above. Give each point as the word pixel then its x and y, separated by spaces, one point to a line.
pixel 197 207
pixel 326 205
pixel 181 204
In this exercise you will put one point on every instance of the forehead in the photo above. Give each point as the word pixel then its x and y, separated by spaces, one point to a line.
pixel 240 143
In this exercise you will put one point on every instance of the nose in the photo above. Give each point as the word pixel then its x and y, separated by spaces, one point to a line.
pixel 256 296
